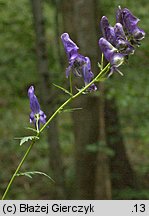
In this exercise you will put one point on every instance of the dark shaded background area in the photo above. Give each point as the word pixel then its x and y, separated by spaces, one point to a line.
pixel 98 152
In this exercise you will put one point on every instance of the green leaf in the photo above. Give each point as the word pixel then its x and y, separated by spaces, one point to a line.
pixel 71 110
pixel 101 79
pixel 29 174
pixel 63 89
pixel 99 65
pixel 32 129
pixel 26 139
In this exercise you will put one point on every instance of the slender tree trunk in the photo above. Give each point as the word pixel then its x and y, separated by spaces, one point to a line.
pixel 123 175
pixel 103 170
pixel 81 22
pixel 48 97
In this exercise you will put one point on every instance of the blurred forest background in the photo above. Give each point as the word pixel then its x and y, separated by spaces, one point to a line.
pixel 98 152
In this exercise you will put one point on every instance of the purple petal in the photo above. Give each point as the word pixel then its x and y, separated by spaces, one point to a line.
pixel 70 47
pixel 88 75
pixel 129 22
pixel 92 88
pixel 34 105
pixel 129 19
pixel 106 48
pixel 122 44
pixel 35 108
pixel 125 17
pixel 104 25
pixel 138 34
pixel 86 69
pixel 117 59
pixel 119 31
pixel 107 30
pixel 75 59
pixel 32 117
pixel 78 64
pixel 111 54
pixel 42 118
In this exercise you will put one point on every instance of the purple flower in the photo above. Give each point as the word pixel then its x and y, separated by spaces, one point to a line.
pixel 107 30
pixel 116 36
pixel 70 47
pixel 122 44
pixel 119 42
pixel 111 54
pixel 37 116
pixel 78 64
pixel 129 23
pixel 75 60
pixel 88 74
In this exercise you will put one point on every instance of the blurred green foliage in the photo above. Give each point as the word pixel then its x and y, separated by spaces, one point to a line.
pixel 18 71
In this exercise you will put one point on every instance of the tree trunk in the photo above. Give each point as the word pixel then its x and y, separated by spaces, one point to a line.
pixel 81 22
pixel 55 159
pixel 122 173
pixel 102 171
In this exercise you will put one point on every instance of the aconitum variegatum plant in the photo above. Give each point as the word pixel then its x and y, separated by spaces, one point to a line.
pixel 116 44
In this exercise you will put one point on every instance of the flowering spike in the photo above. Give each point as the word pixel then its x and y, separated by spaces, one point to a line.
pixel 119 42
pixel 116 36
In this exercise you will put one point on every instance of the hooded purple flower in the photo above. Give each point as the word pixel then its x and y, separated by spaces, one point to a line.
pixel 78 64
pixel 111 54
pixel 107 30
pixel 36 113
pixel 121 42
pixel 129 23
pixel 75 59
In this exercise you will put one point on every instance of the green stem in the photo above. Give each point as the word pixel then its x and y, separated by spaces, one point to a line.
pixel 37 123
pixel 70 83
pixel 17 170
pixel 55 113
pixel 102 58
pixel 103 72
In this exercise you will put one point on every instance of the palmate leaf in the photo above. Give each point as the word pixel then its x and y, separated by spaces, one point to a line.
pixel 31 173
pixel 63 89
pixel 26 139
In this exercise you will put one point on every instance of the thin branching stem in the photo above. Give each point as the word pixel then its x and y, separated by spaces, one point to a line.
pixel 97 78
